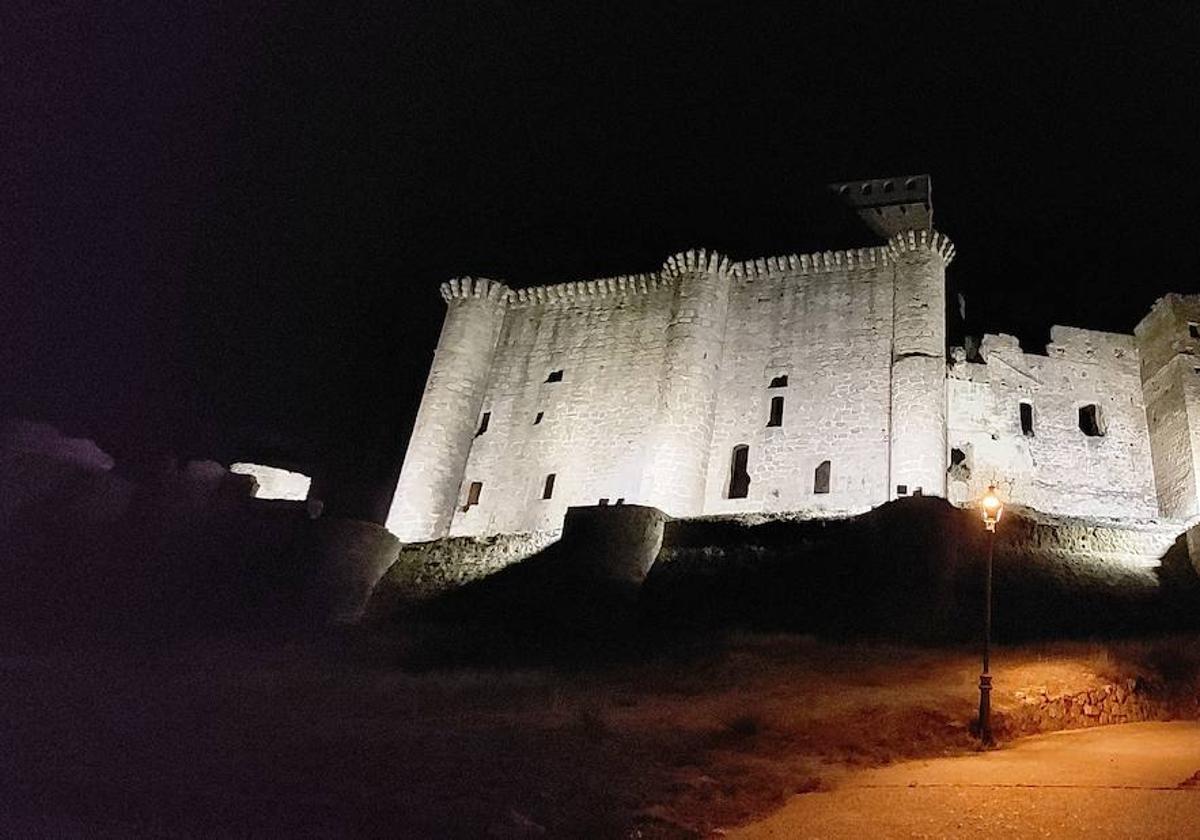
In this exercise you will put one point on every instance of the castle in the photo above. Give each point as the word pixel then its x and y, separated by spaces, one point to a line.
pixel 814 385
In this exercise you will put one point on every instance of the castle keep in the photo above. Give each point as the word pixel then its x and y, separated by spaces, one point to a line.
pixel 817 384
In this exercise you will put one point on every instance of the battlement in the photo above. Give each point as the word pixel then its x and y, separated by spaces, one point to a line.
pixel 623 284
pixel 460 288
pixel 694 261
pixel 922 240
pixel 822 262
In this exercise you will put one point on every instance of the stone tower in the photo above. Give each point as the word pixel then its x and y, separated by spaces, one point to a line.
pixel 432 475
pixel 917 447
pixel 1168 341
pixel 675 474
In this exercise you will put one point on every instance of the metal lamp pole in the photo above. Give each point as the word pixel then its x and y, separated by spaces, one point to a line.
pixel 992 508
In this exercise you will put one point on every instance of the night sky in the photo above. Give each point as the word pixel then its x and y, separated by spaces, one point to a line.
pixel 222 232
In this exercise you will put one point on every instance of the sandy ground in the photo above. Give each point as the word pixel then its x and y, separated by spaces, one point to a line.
pixel 1139 780
pixel 332 737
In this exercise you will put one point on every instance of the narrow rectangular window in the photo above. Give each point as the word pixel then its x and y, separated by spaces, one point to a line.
pixel 538 418
pixel 1089 420
pixel 739 477
pixel 821 477
pixel 1194 329
pixel 483 423
pixel 555 376
pixel 473 494
pixel 776 418
pixel 548 487
pixel 1027 419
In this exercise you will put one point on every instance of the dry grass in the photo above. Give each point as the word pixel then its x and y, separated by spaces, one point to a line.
pixel 331 737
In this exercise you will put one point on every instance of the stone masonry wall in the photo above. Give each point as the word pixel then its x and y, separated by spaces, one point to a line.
pixel 592 434
pixel 637 389
pixel 427 491
pixel 825 322
pixel 1057 468
pixel 1170 356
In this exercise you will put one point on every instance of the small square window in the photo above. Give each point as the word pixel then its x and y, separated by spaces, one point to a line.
pixel 604 503
pixel 901 489
pixel 473 491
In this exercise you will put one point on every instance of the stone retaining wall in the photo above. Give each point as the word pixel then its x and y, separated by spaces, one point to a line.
pixel 1131 700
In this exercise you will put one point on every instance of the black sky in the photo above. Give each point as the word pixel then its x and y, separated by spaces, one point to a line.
pixel 222 227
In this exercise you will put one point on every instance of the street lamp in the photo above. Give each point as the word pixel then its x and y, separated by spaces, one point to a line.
pixel 992 508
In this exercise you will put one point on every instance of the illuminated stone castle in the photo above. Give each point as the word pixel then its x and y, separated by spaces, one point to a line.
pixel 815 384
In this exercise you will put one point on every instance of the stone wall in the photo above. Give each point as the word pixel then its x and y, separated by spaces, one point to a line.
pixel 1170 356
pixel 640 389
pixel 428 489
pixel 824 322
pixel 1056 468
pixel 592 431
pixel 425 570
pixel 1038 710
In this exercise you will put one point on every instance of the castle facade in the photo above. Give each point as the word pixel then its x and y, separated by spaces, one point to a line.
pixel 815 384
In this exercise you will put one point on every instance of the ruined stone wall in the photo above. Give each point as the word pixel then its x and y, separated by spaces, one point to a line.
pixel 1170 369
pixel 1057 468
pixel 608 340
pixel 825 322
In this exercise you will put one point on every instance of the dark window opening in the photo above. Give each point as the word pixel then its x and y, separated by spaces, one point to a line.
pixel 957 456
pixel 555 376
pixel 901 489
pixel 1089 420
pixel 621 500
pixel 538 419
pixel 548 488
pixel 888 186
pixel 776 418
pixel 866 189
pixel 917 491
pixel 910 184
pixel 959 469
pixel 473 494
pixel 1027 419
pixel 739 478
pixel 483 423
pixel 779 382
pixel 1194 330
pixel 604 503
pixel 821 478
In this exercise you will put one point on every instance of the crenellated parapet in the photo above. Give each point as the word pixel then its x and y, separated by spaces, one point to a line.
pixel 460 288
pixel 821 262
pixel 696 261
pixel 922 240
pixel 625 284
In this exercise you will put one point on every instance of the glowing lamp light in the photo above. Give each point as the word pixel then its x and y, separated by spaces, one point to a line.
pixel 992 508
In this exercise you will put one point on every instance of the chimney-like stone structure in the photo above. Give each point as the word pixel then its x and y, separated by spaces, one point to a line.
pixel 430 481
pixel 917 444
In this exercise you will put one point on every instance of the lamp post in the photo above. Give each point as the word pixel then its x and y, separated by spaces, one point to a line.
pixel 992 508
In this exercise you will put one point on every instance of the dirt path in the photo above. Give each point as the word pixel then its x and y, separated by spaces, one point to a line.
pixel 1138 780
